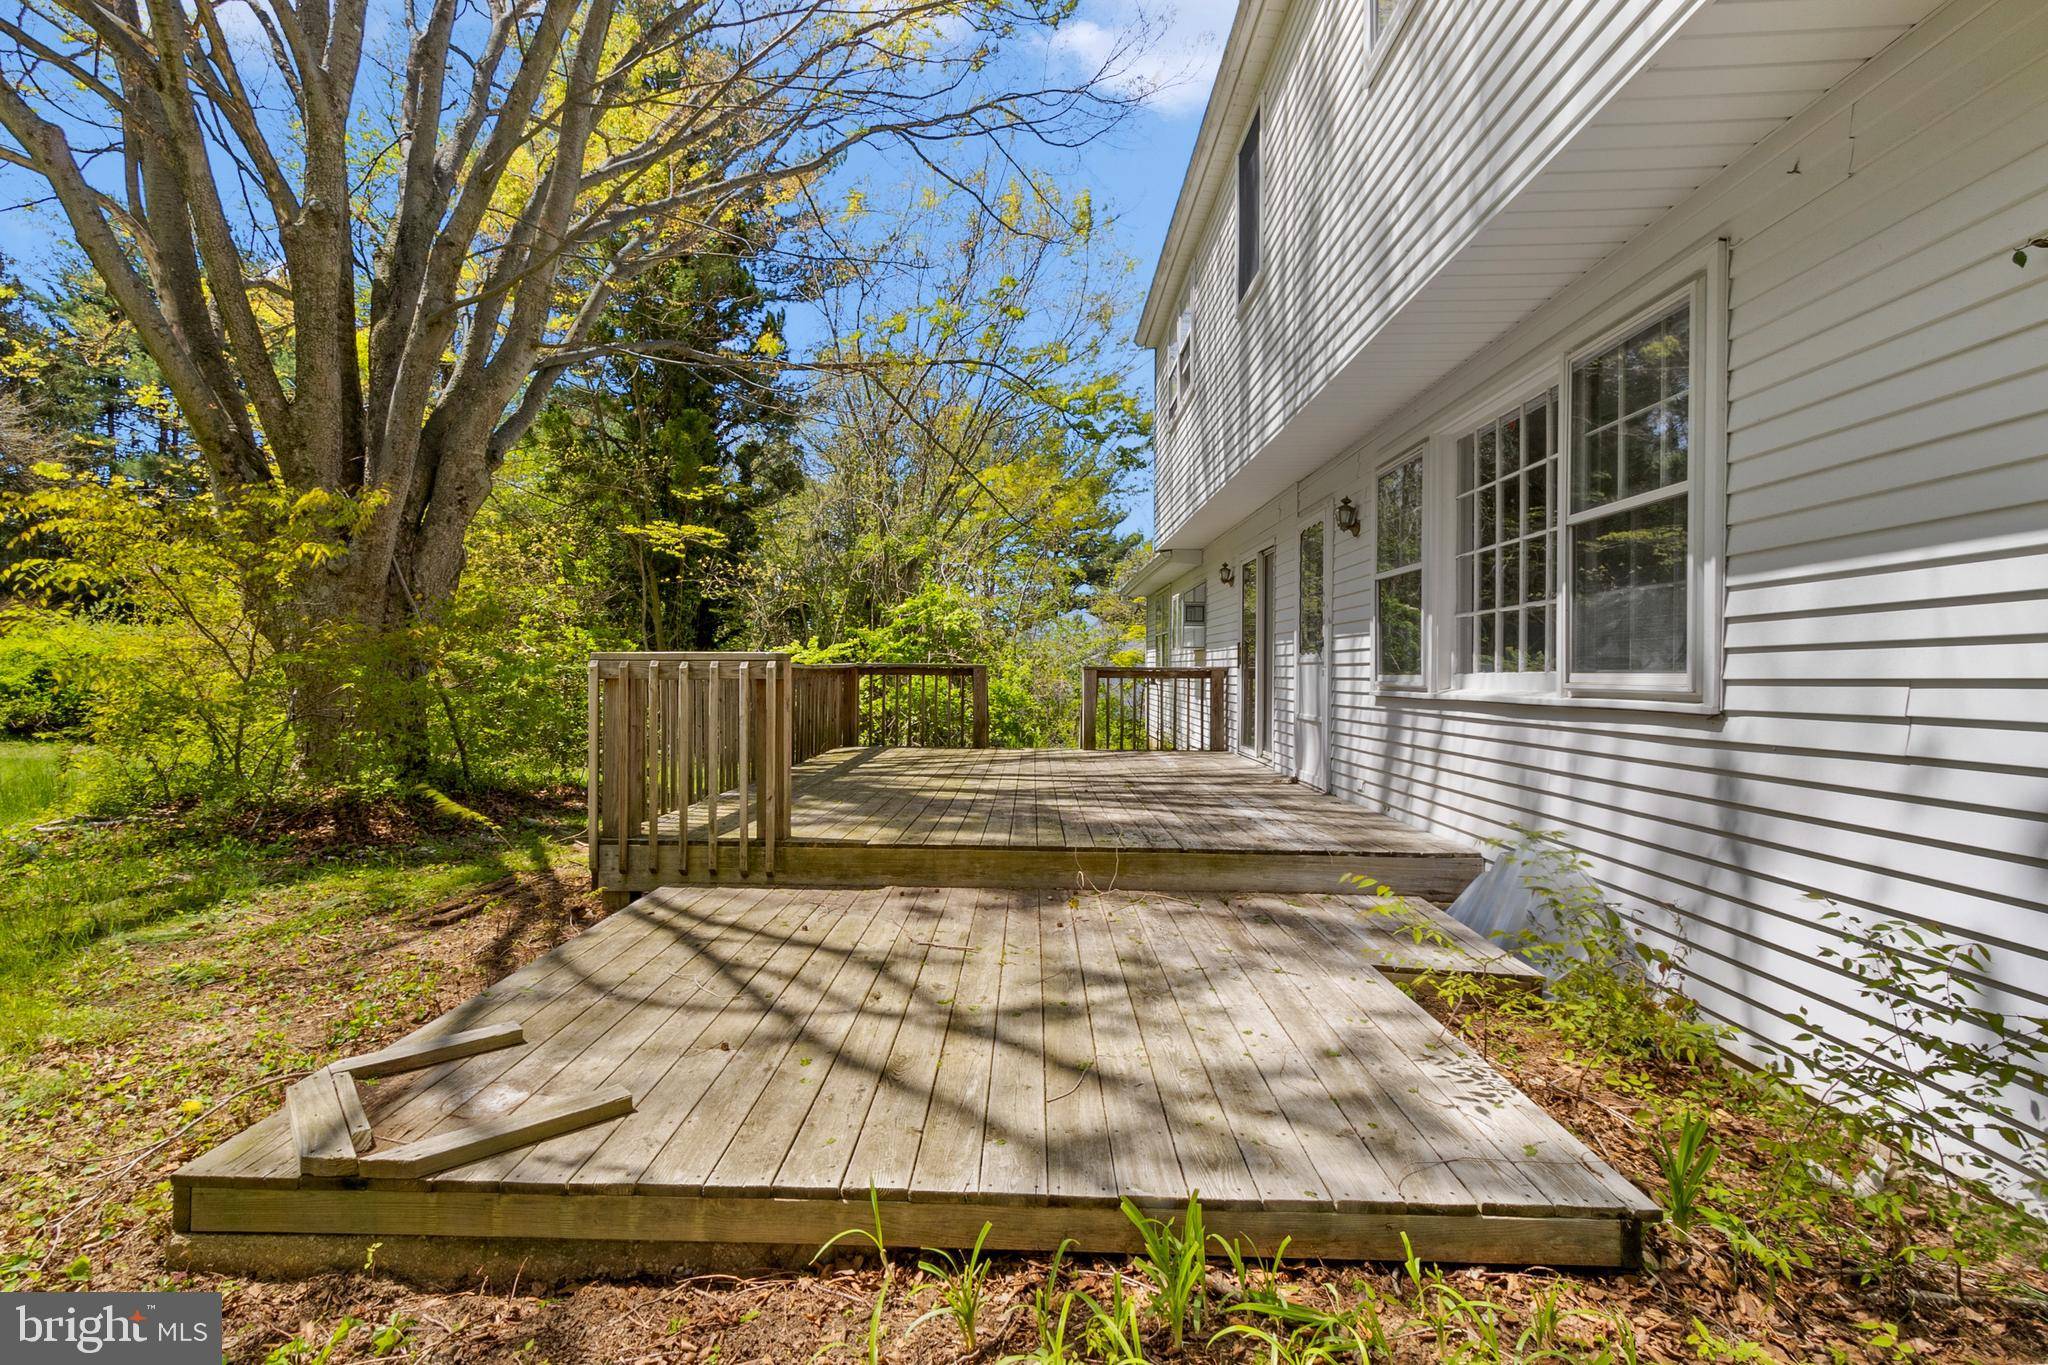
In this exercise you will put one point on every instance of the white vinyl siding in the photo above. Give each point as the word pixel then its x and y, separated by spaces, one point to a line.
pixel 1447 129
pixel 1881 736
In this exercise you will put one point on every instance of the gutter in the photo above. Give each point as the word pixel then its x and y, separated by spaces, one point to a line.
pixel 1162 568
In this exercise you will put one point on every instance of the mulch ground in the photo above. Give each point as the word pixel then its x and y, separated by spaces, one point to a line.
pixel 86 1169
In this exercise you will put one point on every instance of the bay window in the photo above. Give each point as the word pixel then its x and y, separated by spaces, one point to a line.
pixel 1560 542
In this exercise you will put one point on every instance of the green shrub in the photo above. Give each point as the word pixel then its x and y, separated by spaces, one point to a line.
pixel 199 679
pixel 510 669
pixel 33 780
pixel 45 673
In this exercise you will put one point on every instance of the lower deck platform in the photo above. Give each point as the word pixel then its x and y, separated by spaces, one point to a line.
pixel 1019 1057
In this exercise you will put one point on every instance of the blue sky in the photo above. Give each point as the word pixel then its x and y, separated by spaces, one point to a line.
pixel 1141 178
pixel 1137 170
pixel 1134 173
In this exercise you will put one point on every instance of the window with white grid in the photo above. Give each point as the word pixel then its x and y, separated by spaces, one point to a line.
pixel 1506 621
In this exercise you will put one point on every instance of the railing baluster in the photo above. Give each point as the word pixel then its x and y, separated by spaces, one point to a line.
pixel 615 764
pixel 650 766
pixel 714 703
pixel 773 717
pixel 746 739
pixel 685 764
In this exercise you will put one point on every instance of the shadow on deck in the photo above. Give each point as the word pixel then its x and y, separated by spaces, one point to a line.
pixel 1024 1057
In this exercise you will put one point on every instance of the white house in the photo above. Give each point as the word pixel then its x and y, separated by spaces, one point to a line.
pixel 1625 417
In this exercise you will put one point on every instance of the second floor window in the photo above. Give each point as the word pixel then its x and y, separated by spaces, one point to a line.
pixel 1184 362
pixel 1179 380
pixel 1248 208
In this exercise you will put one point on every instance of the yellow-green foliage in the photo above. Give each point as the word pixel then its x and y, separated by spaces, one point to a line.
pixel 188 659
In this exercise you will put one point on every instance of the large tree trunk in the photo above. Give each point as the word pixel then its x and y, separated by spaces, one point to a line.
pixel 359 676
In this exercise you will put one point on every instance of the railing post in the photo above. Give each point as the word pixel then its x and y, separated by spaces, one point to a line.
pixel 1088 685
pixel 591 828
pixel 1219 710
pixel 786 672
pixel 981 706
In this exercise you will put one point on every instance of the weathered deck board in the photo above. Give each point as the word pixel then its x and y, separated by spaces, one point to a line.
pixel 1066 817
pixel 1016 1055
pixel 1079 798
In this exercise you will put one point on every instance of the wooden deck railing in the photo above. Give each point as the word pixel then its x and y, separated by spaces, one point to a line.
pixel 931 706
pixel 689 762
pixel 1137 709
pixel 690 754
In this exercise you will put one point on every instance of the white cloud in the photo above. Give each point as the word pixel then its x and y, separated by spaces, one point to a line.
pixel 1170 54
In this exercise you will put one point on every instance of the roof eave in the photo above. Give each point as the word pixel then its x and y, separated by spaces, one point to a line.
pixel 1162 568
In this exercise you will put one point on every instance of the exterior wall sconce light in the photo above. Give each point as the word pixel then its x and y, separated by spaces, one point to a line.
pixel 1347 516
pixel 1225 575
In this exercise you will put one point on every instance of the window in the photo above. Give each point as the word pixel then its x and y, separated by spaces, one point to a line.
pixel 1157 642
pixel 1561 542
pixel 1194 617
pixel 1383 16
pixel 1179 377
pixel 1630 516
pixel 1397 582
pixel 1312 592
pixel 1184 359
pixel 1248 207
pixel 1507 523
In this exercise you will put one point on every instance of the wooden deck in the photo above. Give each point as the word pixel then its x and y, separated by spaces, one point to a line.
pixel 1176 820
pixel 1023 1057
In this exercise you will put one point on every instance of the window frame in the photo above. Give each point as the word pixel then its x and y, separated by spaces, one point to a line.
pixel 1317 517
pixel 1179 368
pixel 1248 286
pixel 1194 594
pixel 1380 36
pixel 1424 457
pixel 1701 276
pixel 1683 685
pixel 1528 387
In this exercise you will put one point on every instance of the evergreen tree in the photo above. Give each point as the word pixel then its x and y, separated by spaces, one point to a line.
pixel 653 469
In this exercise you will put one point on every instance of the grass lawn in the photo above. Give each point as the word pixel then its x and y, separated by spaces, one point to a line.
pixel 160 983
pixel 32 780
